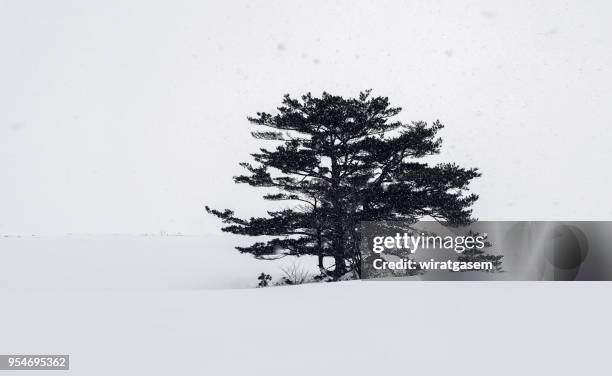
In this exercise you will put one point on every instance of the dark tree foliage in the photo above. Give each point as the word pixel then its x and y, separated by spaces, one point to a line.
pixel 264 280
pixel 342 161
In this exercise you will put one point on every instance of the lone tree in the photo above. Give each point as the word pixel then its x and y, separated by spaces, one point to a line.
pixel 342 161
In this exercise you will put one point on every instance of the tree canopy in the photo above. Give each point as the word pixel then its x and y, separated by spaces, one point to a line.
pixel 342 161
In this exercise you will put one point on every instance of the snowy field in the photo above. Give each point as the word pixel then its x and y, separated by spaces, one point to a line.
pixel 127 305
pixel 132 262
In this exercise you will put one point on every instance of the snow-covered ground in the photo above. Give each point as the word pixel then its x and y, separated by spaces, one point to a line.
pixel 128 262
pixel 127 305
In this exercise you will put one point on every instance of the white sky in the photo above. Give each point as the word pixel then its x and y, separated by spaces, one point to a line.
pixel 126 116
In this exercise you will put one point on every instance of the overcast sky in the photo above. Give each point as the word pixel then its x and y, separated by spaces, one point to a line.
pixel 129 117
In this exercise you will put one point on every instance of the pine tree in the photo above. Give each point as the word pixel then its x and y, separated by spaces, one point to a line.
pixel 342 161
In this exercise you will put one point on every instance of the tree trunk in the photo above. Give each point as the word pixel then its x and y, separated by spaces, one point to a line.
pixel 338 227
pixel 340 267
pixel 321 267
